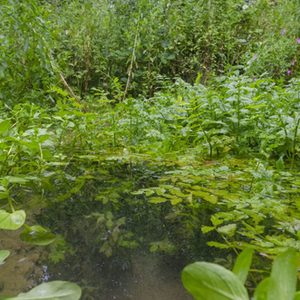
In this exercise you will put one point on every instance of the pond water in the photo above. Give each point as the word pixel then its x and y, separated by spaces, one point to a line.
pixel 149 276
pixel 149 279
pixel 123 245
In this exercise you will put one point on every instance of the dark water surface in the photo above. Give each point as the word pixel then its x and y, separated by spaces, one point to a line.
pixel 147 276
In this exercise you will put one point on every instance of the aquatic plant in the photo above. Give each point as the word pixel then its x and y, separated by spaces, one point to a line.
pixel 207 280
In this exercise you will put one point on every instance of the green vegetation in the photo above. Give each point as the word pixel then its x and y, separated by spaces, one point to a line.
pixel 162 126
pixel 204 280
pixel 59 290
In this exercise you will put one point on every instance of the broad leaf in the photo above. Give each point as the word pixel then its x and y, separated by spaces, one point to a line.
pixel 3 255
pixel 4 126
pixel 284 276
pixel 297 296
pixel 210 281
pixel 55 290
pixel 37 235
pixel 12 221
pixel 242 264
pixel 261 291
pixel 157 200
pixel 227 229
pixel 206 196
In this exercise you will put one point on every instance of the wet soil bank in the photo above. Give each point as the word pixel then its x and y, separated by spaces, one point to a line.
pixel 21 270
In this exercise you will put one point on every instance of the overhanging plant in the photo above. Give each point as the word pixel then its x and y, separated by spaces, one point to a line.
pixel 211 281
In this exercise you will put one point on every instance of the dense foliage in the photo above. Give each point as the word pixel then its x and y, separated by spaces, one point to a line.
pixel 162 125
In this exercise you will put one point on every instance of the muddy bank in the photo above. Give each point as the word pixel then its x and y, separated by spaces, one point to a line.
pixel 22 270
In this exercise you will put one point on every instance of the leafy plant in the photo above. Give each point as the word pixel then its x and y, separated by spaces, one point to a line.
pixel 59 290
pixel 206 280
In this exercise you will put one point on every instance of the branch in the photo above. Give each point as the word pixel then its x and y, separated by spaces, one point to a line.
pixel 69 89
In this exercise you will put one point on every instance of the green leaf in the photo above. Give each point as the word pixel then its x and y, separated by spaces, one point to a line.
pixel 261 291
pixel 55 290
pixel 284 276
pixel 297 296
pixel 210 281
pixel 3 255
pixel 218 245
pixel 206 196
pixel 12 221
pixel 227 229
pixel 37 235
pixel 15 179
pixel 206 229
pixel 4 126
pixel 175 201
pixel 242 264
pixel 157 200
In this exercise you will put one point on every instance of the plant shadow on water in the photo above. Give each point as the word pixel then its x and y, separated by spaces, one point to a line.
pixel 128 237
pixel 127 274
pixel 108 254
pixel 148 276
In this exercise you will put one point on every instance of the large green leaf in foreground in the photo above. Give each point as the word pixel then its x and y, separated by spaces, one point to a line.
pixel 283 279
pixel 12 221
pixel 210 281
pixel 242 264
pixel 55 290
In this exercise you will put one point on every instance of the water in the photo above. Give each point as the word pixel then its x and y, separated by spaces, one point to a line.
pixel 146 276
pixel 150 279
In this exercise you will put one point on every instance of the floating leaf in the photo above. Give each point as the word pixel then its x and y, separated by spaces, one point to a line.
pixel 3 255
pixel 227 229
pixel 157 200
pixel 175 201
pixel 206 229
pixel 12 221
pixel 210 281
pixel 206 196
pixel 37 235
pixel 55 290
pixel 177 192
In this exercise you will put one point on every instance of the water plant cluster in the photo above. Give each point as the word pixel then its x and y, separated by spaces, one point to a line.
pixel 170 126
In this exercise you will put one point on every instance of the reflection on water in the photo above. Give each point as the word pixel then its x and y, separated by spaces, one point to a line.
pixel 149 279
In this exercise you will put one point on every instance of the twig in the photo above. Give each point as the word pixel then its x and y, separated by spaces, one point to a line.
pixel 131 64
pixel 72 94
